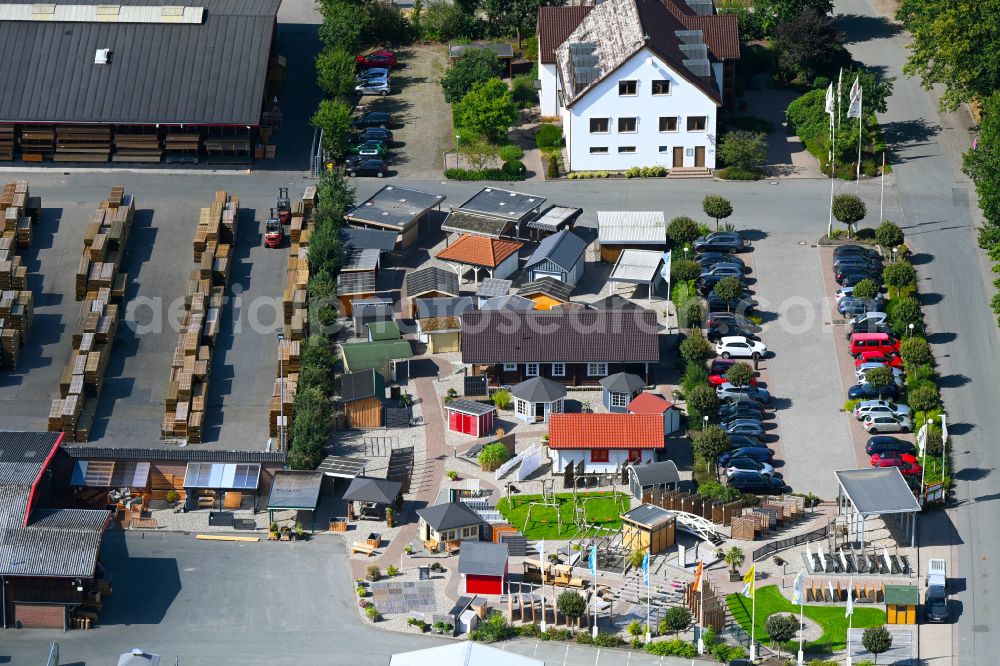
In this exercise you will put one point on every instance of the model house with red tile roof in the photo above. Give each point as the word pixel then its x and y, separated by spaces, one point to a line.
pixel 637 82
pixel 604 442
pixel 495 257
pixel 650 403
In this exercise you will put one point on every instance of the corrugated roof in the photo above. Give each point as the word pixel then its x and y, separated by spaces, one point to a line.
pixel 361 385
pixel 430 279
pixel 185 455
pixel 365 259
pixel 576 336
pixel 554 26
pixel 482 558
pixel 61 543
pixel 539 389
pixel 547 286
pixel 878 490
pixel 356 282
pixel 492 287
pixel 394 207
pixel 631 226
pixel 649 403
pixel 449 516
pixel 605 431
pixel 444 306
pixel 295 489
pixel 470 407
pixel 211 73
pixel 637 266
pixel 563 248
pixel 479 251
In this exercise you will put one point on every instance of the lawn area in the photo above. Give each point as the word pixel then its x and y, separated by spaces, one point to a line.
pixel 603 509
pixel 831 618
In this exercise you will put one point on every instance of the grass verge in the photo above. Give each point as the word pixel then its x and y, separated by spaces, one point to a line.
pixel 603 509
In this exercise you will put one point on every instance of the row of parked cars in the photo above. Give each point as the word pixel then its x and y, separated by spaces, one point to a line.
pixel 369 147
pixel 749 462
pixel 872 346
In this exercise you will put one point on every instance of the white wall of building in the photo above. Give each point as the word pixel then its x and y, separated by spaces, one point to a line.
pixel 652 147
pixel 617 458
pixel 548 96
pixel 507 267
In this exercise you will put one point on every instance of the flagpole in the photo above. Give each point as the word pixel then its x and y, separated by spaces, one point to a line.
pixel 649 630
pixel 850 619
pixel 593 570
pixel 840 81
pixel 541 556
pixel 753 616
pixel 881 196
pixel 861 113
pixel 801 631
pixel 833 160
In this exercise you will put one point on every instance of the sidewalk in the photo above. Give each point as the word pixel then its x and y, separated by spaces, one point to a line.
pixel 936 539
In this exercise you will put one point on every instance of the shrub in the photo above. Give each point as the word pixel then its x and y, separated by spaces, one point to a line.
pixel 915 352
pixel 923 398
pixel 740 374
pixel 673 648
pixel 556 634
pixel 487 109
pixel 374 573
pixel 172 496
pixel 514 169
pixel 552 168
pixel 746 151
pixel 684 270
pixel 703 399
pixel 681 231
pixel 607 640
pixel 634 628
pixel 392 570
pixel 417 622
pixel 695 375
pixel 690 314
pixel 849 209
pixel 492 456
pixel 548 136
pixel 571 604
pixel 525 95
pixel 695 348
pixel 501 399
pixel 902 312
pixel 493 628
pixel 446 21
pixel 510 152
pixel 479 174
pixel 531 630
pixel 900 274
pixel 889 235
pixel 362 591
pixel 727 653
pixel 729 288
pixel 865 290
pixel 935 440
pixel 372 613
pixel 452 474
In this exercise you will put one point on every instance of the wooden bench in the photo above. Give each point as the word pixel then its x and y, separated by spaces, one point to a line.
pixel 363 548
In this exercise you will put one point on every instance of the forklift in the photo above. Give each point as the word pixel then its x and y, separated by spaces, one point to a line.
pixel 284 206
pixel 274 230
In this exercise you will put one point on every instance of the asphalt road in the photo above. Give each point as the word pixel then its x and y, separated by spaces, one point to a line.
pixel 940 216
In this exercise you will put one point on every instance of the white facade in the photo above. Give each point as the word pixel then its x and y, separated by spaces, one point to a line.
pixel 617 459
pixel 625 143
pixel 548 96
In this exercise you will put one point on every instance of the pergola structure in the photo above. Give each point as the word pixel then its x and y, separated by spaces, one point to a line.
pixel 637 267
pixel 295 490
pixel 373 494
pixel 878 491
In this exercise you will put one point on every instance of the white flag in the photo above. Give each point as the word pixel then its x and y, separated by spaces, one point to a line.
pixel 829 100
pixel 944 430
pixel 850 599
pixel 797 587
pixel 854 110
pixel 922 438
pixel 855 88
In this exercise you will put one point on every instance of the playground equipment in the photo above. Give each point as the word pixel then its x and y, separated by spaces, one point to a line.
pixel 548 500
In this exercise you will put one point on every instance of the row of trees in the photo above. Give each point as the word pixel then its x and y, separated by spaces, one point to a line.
pixel 982 165
pixel 478 19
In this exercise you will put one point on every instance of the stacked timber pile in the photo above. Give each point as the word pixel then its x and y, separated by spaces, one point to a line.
pixel 104 246
pixel 19 212
pixel 82 143
pixel 101 285
pixel 6 142
pixel 137 148
pixel 37 143
pixel 204 298
pixel 182 147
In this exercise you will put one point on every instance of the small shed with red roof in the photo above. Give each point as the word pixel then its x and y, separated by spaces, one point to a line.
pixel 651 403
pixel 604 442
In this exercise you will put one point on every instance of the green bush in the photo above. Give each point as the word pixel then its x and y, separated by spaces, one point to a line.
pixel 584 175
pixel 682 270
pixel 902 312
pixel 372 613
pixel 695 348
pixel 695 375
pixel 607 640
pixel 681 231
pixel 494 628
pixel 704 399
pixel 548 136
pixel 732 173
pixel 501 399
pixel 511 152
pixel 634 628
pixel 717 491
pixel 492 456
pixel 889 235
pixel 417 622
pixel 690 314
pixel 530 630
pixel 552 168
pixel 445 21
pixel 514 169
pixel 556 634
pixel 900 274
pixel 480 174
pixel 673 648
pixel 915 352
pixel 525 94
pixel 726 653
pixel 865 289
pixel 923 397
pixel 646 172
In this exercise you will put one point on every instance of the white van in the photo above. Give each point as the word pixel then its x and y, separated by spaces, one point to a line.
pixel 937 573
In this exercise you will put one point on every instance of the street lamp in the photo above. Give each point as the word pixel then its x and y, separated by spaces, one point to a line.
pixel 894 250
pixel 704 422
pixel 686 248
pixel 281 405
pixel 910 326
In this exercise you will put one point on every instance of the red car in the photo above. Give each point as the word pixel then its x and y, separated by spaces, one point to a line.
pixel 906 462
pixel 717 379
pixel 385 59
pixel 892 359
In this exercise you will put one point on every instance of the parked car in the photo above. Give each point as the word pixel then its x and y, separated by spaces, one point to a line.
pixel 725 330
pixel 730 410
pixel 729 393
pixel 843 250
pixel 936 604
pixel 842 293
pixel 844 261
pixel 753 452
pixel 716 318
pixel 906 463
pixel 721 365
pixel 876 423
pixel 746 442
pixel 737 465
pixel 375 134
pixel 706 284
pixel 861 371
pixel 740 347
pixel 739 306
pixel 892 359
pixel 851 276
pixel 866 407
pixel 862 342
pixel 370 148
pixel 868 325
pixel 886 444
pixel 866 391
pixel 754 482
pixel 715 380
pixel 383 59
pixel 707 259
pixel 725 269
pixel 852 307
pixel 720 241
pixel 378 87
pixel 744 427
pixel 366 166
pixel 373 119
pixel 372 73
pixel 734 417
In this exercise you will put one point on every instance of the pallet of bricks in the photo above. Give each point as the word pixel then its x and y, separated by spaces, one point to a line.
pixel 204 296
pixel 100 284
pixel 20 212
pixel 294 309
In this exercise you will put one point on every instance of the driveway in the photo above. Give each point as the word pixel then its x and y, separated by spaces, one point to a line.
pixel 786 154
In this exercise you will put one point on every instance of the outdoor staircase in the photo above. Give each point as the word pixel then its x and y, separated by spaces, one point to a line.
pixel 689 172
pixel 661 596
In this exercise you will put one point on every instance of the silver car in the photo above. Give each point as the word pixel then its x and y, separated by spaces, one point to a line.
pixel 861 372
pixel 876 423
pixel 880 408
pixel 378 87
pixel 872 318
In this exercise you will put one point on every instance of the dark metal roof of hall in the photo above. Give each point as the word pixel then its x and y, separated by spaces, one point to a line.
pixel 159 70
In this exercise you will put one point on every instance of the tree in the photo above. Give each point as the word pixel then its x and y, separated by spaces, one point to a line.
pixel 318 365
pixel 572 605
pixel 805 43
pixel 488 109
pixel 889 235
pixel 734 557
pixel 492 456
pixel 915 352
pixel 899 274
pixel 935 442
pixel 479 153
pixel 335 72
pixel 982 166
pixel 729 288
pixel 716 207
pixel 695 348
pixel 385 24
pixel 849 209
pixel 682 231
pixel 415 16
pixel 876 640
pixel 690 314
pixel 865 290
pixel 517 17
pixel 772 13
pixel 310 430
pixel 781 629
pixel 475 66
pixel 343 25
pixel 740 374
pixel 684 270
pixel 923 398
pixel 326 250
pixel 703 399
pixel 501 399
pixel 446 21
pixel 334 118
pixel 746 151
pixel 954 44
pixel 711 443
pixel 336 197
pixel 903 312
pixel 636 557
pixel 677 618
pixel 880 378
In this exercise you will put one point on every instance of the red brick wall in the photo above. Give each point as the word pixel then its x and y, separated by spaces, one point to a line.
pixel 38 616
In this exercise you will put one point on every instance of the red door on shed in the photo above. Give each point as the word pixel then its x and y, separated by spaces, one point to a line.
pixel 475 584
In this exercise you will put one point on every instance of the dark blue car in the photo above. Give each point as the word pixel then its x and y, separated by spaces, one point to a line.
pixel 868 392
pixel 754 453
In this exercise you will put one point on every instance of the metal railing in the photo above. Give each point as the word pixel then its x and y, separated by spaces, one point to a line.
pixel 797 540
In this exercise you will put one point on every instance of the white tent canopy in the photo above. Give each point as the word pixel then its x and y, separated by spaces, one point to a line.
pixel 462 654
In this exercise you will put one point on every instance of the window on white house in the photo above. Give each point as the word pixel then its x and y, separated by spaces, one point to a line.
pixel 619 399
pixel 661 87
pixel 628 87
pixel 469 532
pixel 696 123
pixel 523 407
pixel 597 369
pixel 626 149
pixel 531 369
pixel 558 369
pixel 668 123
pixel 510 367
pixel 598 150
pixel 599 455
pixel 627 125
pixel 600 125
pixel 664 149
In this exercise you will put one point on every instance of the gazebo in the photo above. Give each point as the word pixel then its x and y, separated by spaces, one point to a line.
pixel 648 527
pixel 877 491
pixel 619 389
pixel 374 494
pixel 537 398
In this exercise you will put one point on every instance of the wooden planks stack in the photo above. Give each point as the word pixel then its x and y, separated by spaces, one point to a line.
pixel 82 143
pixel 37 143
pixel 204 299
pixel 18 211
pixel 137 148
pixel 6 142
pixel 182 147
pixel 104 243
